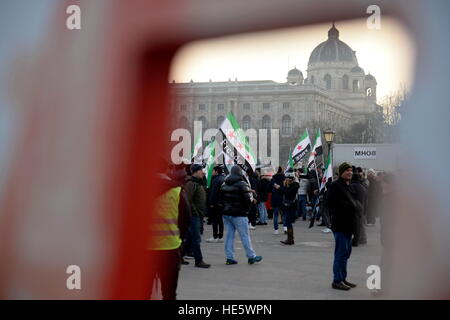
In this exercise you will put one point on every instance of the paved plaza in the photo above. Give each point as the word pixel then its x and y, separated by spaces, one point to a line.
pixel 300 271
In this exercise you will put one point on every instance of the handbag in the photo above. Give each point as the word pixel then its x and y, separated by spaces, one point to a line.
pixel 287 202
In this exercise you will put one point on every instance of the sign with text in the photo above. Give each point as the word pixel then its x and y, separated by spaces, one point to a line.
pixel 365 153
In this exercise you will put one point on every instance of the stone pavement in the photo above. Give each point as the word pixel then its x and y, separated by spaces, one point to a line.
pixel 300 271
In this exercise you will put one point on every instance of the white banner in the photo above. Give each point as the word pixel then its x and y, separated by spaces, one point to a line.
pixel 365 153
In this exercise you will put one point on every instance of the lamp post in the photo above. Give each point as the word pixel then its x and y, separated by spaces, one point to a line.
pixel 329 137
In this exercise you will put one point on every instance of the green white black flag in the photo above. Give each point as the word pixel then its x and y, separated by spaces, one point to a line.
pixel 235 144
pixel 316 152
pixel 328 172
pixel 210 161
pixel 302 148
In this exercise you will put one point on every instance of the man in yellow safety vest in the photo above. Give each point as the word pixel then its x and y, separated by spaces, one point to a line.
pixel 168 227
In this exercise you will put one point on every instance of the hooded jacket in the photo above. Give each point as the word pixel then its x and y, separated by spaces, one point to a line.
pixel 235 196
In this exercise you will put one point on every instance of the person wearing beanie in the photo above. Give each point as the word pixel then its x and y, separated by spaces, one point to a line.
pixel 196 195
pixel 343 207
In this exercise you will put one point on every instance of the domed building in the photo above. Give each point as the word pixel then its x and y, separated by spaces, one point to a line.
pixel 336 93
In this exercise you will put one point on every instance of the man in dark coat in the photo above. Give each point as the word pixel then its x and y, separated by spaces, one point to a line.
pixel 361 195
pixel 343 208
pixel 236 198
pixel 277 196
pixel 196 195
pixel 215 210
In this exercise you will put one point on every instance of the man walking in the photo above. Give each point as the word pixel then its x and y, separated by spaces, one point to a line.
pixel 236 198
pixel 343 208
pixel 196 196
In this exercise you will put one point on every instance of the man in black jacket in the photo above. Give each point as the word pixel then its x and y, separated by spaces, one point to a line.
pixel 236 198
pixel 343 208
pixel 215 210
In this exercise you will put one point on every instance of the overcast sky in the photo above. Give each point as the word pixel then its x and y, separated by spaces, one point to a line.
pixel 387 53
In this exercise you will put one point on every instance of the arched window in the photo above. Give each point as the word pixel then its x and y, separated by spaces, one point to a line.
pixel 355 85
pixel 246 123
pixel 266 122
pixel 312 79
pixel 286 125
pixel 183 123
pixel 345 82
pixel 219 121
pixel 369 92
pixel 327 80
pixel 204 122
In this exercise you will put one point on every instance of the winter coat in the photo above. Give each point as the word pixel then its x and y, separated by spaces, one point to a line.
pixel 235 195
pixel 312 185
pixel 290 195
pixel 264 186
pixel 277 195
pixel 196 195
pixel 360 195
pixel 343 207
pixel 216 183
pixel 254 184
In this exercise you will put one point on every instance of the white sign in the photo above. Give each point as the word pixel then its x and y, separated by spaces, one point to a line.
pixel 365 153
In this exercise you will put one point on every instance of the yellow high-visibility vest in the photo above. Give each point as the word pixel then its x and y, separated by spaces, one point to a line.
pixel 164 232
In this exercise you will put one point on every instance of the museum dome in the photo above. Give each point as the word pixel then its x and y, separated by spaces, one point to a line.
pixel 333 50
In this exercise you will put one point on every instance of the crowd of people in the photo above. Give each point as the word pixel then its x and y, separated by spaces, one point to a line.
pixel 344 206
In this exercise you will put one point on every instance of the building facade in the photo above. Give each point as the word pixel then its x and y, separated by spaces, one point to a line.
pixel 335 94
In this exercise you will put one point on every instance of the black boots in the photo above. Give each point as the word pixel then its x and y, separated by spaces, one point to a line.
pixel 290 237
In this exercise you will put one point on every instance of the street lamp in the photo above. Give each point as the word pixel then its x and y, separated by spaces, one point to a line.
pixel 329 137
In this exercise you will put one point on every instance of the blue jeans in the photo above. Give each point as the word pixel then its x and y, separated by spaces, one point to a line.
pixel 342 253
pixel 241 225
pixel 194 239
pixel 301 208
pixel 276 211
pixel 262 212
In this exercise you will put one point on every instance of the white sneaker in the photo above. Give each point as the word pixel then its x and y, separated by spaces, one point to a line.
pixel 285 229
pixel 326 230
pixel 275 231
pixel 220 240
pixel 211 240
pixel 251 227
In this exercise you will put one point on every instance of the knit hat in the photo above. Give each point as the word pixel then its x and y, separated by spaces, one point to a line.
pixel 196 167
pixel 343 166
